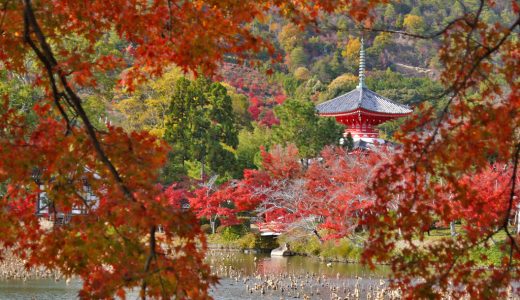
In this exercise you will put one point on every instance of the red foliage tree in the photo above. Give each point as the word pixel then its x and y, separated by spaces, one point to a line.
pixel 340 182
pixel 114 246
pixel 331 193
pixel 489 191
pixel 214 204
pixel 254 111
pixel 444 156
pixel 269 119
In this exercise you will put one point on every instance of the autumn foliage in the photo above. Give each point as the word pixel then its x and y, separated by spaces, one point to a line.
pixel 441 174
pixel 115 245
pixel 329 193
pixel 105 247
pixel 263 95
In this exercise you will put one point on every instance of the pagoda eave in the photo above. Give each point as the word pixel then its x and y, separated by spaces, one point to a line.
pixel 363 112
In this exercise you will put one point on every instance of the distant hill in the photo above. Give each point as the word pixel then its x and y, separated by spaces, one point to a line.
pixel 321 61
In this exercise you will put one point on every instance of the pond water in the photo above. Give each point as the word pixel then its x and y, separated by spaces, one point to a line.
pixel 245 276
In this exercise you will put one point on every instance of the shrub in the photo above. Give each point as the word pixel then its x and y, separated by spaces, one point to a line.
pixel 302 73
pixel 230 234
pixel 220 229
pixel 206 228
pixel 310 245
pixel 248 241
pixel 340 249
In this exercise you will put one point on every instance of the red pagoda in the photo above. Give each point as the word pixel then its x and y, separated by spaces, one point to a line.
pixel 361 109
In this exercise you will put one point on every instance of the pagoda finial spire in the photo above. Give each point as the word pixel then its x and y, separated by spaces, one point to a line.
pixel 361 65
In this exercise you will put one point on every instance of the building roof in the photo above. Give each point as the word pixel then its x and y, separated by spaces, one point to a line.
pixel 362 98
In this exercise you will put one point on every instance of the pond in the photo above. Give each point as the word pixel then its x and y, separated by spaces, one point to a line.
pixel 246 276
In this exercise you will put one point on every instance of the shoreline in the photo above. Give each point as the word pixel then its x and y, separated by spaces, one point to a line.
pixel 14 268
pixel 232 248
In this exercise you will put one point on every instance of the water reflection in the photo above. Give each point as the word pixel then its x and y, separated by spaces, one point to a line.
pixel 251 264
pixel 39 289
pixel 247 276
pixel 243 276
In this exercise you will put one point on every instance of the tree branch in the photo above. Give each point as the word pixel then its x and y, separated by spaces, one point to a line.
pixel 45 54
pixel 151 255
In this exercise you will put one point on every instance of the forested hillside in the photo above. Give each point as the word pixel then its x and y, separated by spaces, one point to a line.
pixel 134 132
pixel 311 64
pixel 321 62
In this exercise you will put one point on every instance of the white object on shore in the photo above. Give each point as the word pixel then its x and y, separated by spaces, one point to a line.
pixel 282 251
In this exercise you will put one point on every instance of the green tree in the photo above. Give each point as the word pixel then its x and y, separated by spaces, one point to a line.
pixel 248 151
pixel 22 96
pixel 300 125
pixel 201 127
pixel 290 37
pixel 389 14
pixel 240 105
pixel 309 90
pixel 414 24
pixel 298 58
pixel 337 63
pixel 323 71
pixel 347 142
pixel 378 53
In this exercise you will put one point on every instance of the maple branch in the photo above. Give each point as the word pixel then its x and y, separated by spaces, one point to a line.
pixel 513 184
pixel 414 35
pixel 170 16
pixel 161 281
pixel 48 67
pixel 512 240
pixel 46 56
pixel 473 26
pixel 432 35
pixel 2 20
pixel 151 255
pixel 458 86
pixel 85 202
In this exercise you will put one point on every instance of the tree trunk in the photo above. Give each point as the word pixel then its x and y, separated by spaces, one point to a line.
pixel 452 228
pixel 202 173
pixel 212 222
pixel 318 235
pixel 518 219
pixel 305 163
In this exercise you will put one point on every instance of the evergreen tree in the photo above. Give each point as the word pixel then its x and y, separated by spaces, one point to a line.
pixel 298 58
pixel 300 125
pixel 201 127
pixel 349 142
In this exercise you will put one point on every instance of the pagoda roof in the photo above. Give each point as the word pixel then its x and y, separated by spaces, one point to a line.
pixel 364 99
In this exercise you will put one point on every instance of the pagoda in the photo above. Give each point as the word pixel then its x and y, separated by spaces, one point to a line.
pixel 361 109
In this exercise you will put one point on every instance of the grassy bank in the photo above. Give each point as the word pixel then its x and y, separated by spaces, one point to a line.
pixel 239 237
pixel 343 250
